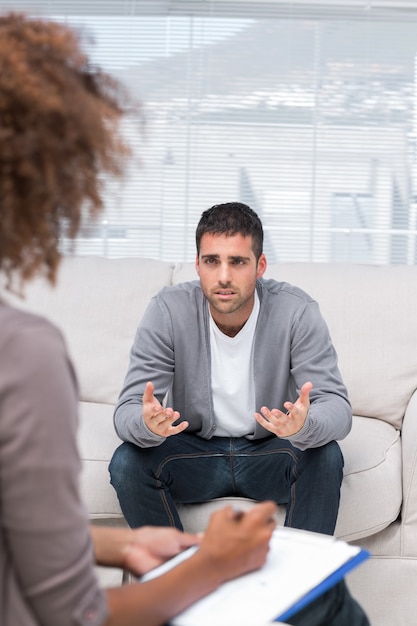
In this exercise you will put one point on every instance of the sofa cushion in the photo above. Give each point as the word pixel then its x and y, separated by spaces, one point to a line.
pixel 371 494
pixel 375 311
pixel 372 475
pixel 194 517
pixel 371 308
pixel 97 440
pixel 98 304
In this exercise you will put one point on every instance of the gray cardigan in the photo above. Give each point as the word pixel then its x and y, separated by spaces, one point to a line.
pixel 292 346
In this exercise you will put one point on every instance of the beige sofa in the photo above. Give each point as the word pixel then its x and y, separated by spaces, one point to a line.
pixel 372 315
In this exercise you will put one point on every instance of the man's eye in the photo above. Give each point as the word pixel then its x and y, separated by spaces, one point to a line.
pixel 209 261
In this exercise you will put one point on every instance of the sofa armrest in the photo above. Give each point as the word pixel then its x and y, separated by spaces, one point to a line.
pixel 409 469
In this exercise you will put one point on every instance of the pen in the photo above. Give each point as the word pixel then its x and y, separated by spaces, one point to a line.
pixel 237 513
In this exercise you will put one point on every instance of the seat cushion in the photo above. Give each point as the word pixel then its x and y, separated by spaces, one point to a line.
pixel 97 440
pixel 371 492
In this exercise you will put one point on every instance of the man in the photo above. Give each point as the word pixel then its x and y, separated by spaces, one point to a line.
pixel 255 400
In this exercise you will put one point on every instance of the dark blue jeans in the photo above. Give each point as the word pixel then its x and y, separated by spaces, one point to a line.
pixel 188 469
pixel 336 607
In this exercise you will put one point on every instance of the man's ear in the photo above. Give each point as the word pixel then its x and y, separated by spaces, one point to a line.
pixel 197 264
pixel 262 265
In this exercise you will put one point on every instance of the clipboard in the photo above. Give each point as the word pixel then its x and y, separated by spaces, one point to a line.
pixel 325 585
pixel 300 566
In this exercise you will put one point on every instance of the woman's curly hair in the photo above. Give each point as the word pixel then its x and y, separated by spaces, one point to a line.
pixel 58 133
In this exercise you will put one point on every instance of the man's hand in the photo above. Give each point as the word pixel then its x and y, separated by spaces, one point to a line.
pixel 157 419
pixel 287 424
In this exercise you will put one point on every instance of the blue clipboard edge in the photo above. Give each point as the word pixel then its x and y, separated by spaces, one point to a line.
pixel 328 582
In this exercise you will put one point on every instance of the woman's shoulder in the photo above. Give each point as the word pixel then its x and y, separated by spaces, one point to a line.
pixel 23 328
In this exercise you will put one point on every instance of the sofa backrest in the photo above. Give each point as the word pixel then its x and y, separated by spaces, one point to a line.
pixel 98 303
pixel 371 312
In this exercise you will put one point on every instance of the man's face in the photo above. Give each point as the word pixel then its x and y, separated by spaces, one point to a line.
pixel 228 271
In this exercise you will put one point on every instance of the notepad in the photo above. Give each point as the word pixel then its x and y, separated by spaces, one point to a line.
pixel 300 566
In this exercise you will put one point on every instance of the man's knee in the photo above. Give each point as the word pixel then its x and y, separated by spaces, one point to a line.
pixel 120 466
pixel 330 455
pixel 324 460
pixel 336 458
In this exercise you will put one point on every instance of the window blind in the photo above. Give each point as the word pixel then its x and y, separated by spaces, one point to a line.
pixel 303 110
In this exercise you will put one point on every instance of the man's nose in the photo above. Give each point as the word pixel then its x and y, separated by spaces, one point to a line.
pixel 224 274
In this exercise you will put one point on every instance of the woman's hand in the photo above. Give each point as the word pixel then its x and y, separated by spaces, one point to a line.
pixel 140 549
pixel 237 542
pixel 150 546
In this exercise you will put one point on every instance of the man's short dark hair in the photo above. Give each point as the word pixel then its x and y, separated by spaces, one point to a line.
pixel 231 218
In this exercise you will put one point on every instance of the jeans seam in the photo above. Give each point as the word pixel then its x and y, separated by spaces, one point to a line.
pixel 290 510
pixel 269 452
pixel 194 455
pixel 232 463
pixel 167 507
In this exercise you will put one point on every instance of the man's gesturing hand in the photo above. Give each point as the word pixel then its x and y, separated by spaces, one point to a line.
pixel 286 424
pixel 157 419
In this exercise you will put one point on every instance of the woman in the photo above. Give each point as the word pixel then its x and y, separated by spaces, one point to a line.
pixel 58 133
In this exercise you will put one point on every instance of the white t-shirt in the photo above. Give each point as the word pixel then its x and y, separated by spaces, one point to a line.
pixel 232 378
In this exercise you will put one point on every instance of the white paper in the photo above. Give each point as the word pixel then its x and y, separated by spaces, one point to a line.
pixel 297 562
